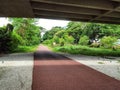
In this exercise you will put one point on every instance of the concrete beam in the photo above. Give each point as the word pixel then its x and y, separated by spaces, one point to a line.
pixel 116 0
pixel 109 19
pixel 74 19
pixel 79 10
pixel 116 7
pixel 15 8
pixel 63 8
pixel 106 22
pixel 70 9
pixel 67 15
pixel 113 14
pixel 59 18
pixel 95 4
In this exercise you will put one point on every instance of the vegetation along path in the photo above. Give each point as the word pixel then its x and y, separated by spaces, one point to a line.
pixel 54 71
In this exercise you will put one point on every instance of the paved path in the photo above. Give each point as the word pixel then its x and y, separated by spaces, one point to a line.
pixel 56 72
pixel 16 71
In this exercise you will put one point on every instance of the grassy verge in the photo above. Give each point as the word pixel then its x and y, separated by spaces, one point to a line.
pixel 85 50
pixel 25 49
pixel 118 61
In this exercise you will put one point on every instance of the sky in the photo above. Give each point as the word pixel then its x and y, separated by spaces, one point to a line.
pixel 49 23
pixel 46 23
pixel 3 21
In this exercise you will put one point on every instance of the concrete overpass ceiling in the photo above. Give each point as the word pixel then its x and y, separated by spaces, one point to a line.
pixel 103 11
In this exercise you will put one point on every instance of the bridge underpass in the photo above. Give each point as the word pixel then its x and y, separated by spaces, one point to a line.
pixel 52 70
pixel 103 11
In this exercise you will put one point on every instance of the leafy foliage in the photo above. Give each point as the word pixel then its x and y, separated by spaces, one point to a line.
pixel 8 41
pixel 85 50
pixel 48 42
pixel 84 40
pixel 24 33
pixel 75 29
pixel 95 38
pixel 26 28
pixel 50 34
pixel 63 38
pixel 107 41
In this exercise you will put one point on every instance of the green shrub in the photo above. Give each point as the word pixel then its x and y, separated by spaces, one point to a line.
pixel 25 49
pixel 84 40
pixel 85 50
pixel 6 39
pixel 61 41
pixel 115 47
pixel 68 39
pixel 95 44
pixel 64 39
pixel 108 41
pixel 15 41
pixel 56 39
pixel 48 42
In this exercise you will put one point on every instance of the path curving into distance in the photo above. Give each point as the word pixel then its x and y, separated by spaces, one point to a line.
pixel 54 71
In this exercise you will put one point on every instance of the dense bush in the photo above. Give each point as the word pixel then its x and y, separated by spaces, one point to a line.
pixel 25 49
pixel 8 39
pixel 56 39
pixel 85 50
pixel 48 42
pixel 62 42
pixel 95 44
pixel 64 39
pixel 15 41
pixel 68 39
pixel 108 41
pixel 84 40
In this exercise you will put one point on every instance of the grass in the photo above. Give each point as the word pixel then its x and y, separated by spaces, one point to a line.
pixel 25 49
pixel 100 63
pixel 118 61
pixel 85 50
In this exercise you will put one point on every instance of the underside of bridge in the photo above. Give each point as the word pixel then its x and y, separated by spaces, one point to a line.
pixel 103 11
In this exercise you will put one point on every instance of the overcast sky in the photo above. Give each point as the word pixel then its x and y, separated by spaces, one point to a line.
pixel 49 23
pixel 3 21
pixel 46 23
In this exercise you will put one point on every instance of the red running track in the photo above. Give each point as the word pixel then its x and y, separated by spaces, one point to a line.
pixel 56 72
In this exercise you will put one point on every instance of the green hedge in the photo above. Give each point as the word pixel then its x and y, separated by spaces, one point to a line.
pixel 75 49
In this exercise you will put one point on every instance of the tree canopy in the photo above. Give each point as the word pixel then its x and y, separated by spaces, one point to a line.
pixel 21 32
pixel 26 28
pixel 80 32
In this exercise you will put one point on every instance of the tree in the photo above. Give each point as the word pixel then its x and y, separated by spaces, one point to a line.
pixel 27 29
pixel 63 38
pixel 81 33
pixel 75 29
pixel 92 30
pixel 50 34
